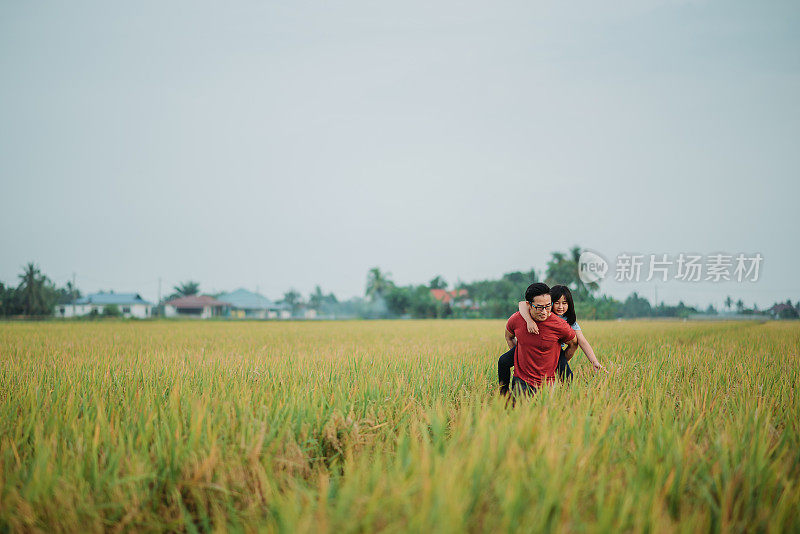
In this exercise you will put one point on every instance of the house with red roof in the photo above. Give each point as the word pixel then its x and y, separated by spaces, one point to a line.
pixel 457 298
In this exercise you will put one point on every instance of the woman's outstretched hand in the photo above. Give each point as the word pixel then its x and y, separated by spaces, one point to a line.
pixel 532 328
pixel 599 367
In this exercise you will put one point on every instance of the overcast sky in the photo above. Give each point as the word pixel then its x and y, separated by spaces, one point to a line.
pixel 286 144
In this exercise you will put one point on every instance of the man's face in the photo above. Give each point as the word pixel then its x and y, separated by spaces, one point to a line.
pixel 540 307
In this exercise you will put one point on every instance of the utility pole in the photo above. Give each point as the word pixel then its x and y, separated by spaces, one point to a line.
pixel 158 306
pixel 656 289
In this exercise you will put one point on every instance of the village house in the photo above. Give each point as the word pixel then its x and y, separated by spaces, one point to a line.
pixel 246 304
pixel 128 304
pixel 457 298
pixel 196 306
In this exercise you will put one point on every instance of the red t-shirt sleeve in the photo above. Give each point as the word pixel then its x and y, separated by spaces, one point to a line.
pixel 567 333
pixel 511 323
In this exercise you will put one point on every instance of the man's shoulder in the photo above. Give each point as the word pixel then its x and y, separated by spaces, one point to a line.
pixel 557 323
pixel 514 319
pixel 555 320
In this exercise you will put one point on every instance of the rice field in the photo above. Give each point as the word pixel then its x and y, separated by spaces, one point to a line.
pixel 394 426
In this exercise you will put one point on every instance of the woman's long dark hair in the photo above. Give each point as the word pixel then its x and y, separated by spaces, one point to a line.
pixel 556 292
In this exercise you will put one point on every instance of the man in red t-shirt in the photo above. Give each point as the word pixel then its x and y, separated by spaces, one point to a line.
pixel 536 357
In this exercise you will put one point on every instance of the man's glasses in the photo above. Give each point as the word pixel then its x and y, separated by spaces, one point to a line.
pixel 538 307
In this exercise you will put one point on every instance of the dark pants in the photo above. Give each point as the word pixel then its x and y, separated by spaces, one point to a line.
pixel 563 372
pixel 506 362
pixel 522 388
pixel 504 365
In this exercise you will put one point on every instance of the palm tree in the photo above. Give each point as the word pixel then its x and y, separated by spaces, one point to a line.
pixel 316 298
pixel 187 289
pixel 378 283
pixel 31 289
pixel 438 283
pixel 563 269
pixel 292 298
pixel 72 292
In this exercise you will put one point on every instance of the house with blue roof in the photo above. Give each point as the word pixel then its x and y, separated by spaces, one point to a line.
pixel 246 304
pixel 129 305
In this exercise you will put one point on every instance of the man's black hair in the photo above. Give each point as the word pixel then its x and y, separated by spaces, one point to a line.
pixel 534 290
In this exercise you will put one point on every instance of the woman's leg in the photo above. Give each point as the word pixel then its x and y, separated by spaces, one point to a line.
pixel 504 365
pixel 563 372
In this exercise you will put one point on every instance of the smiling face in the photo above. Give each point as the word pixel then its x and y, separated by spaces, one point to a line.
pixel 560 306
pixel 540 307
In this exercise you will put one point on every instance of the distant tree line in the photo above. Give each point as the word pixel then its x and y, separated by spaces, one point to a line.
pixel 499 298
pixel 36 295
